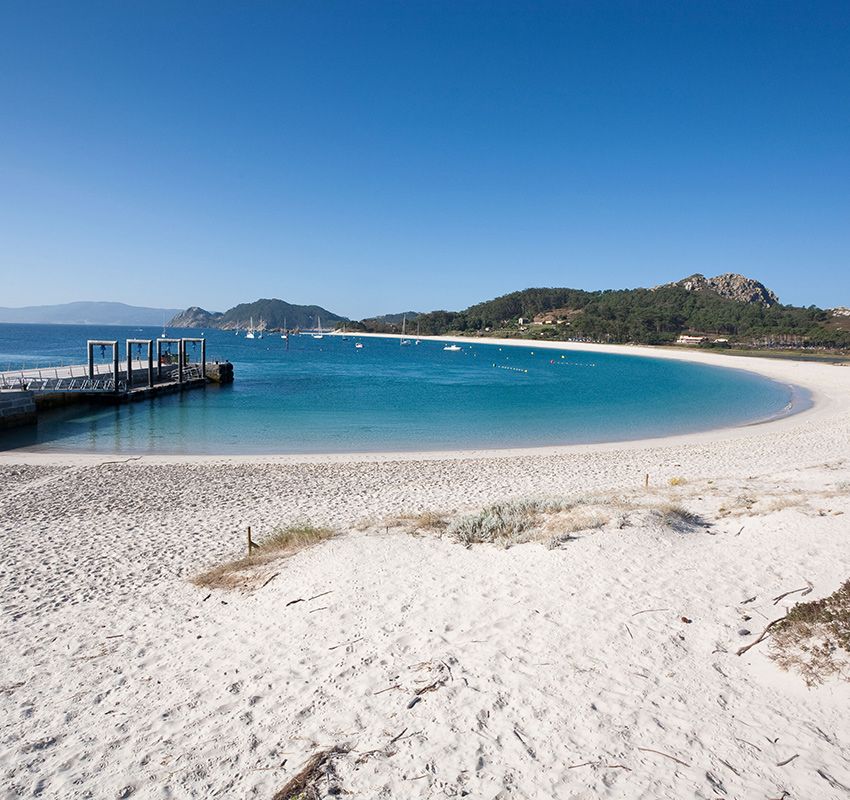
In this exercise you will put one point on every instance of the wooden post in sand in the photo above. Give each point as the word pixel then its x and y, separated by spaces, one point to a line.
pixel 250 543
pixel 646 481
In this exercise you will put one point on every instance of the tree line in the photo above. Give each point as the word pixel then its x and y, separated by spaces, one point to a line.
pixel 646 316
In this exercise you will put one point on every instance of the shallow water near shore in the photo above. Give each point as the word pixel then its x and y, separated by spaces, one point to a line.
pixel 326 396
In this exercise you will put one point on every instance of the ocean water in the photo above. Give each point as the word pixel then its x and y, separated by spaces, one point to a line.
pixel 325 395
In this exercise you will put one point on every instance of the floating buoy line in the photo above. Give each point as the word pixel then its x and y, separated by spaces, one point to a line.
pixel 569 364
pixel 510 369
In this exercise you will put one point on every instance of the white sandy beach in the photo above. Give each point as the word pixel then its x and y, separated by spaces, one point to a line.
pixel 555 673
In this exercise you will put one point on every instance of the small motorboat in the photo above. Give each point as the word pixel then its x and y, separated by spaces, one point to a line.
pixel 358 346
pixel 452 348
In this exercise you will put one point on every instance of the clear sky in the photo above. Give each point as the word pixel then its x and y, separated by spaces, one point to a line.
pixel 378 157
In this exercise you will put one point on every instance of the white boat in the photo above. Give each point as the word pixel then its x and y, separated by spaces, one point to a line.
pixel 319 335
pixel 250 334
pixel 417 331
pixel 452 348
pixel 358 346
pixel 404 342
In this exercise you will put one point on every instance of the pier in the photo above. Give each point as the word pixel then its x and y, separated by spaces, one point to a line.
pixel 23 393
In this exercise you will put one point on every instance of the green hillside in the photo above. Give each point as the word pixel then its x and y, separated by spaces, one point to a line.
pixel 649 316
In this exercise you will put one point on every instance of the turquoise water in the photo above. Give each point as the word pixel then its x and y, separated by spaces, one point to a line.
pixel 327 396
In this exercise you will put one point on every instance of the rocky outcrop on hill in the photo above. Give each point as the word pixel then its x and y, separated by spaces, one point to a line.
pixel 732 286
pixel 840 311
pixel 265 314
pixel 195 317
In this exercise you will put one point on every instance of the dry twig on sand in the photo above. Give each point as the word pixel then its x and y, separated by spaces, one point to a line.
pixel 803 592
pixel 304 784
pixel 666 755
pixel 344 644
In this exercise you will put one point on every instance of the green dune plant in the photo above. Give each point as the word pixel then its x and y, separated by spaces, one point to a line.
pixel 814 638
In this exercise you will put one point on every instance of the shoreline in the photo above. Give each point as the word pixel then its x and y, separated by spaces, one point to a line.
pixel 560 665
pixel 823 391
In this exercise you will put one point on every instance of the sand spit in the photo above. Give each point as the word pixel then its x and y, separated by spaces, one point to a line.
pixel 597 663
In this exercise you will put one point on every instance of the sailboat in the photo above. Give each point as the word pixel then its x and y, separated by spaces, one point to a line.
pixel 260 328
pixel 285 334
pixel 250 334
pixel 417 331
pixel 319 335
pixel 403 342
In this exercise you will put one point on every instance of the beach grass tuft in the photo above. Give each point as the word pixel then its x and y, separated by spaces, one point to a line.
pixel 680 519
pixel 503 523
pixel 245 572
pixel 814 638
pixel 422 521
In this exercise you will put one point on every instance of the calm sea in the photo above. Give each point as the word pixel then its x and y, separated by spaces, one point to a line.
pixel 326 395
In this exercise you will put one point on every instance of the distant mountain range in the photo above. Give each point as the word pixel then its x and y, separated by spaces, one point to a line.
pixel 266 314
pixel 87 313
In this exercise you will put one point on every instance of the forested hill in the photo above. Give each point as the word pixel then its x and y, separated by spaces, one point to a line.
pixel 748 313
pixel 266 314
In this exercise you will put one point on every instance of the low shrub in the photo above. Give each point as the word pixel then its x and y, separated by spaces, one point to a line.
pixel 814 638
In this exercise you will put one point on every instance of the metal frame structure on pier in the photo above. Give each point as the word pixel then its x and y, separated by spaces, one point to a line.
pixel 159 344
pixel 181 355
pixel 90 345
pixel 203 361
pixel 149 344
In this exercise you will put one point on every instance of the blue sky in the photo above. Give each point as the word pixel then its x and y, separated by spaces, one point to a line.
pixel 378 157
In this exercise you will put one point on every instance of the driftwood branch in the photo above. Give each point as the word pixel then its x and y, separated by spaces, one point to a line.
pixel 803 592
pixel 303 783
pixel 763 635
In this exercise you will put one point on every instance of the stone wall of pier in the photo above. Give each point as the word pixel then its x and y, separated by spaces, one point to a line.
pixel 220 371
pixel 16 408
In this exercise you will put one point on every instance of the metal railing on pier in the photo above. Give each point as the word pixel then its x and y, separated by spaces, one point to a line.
pixel 76 379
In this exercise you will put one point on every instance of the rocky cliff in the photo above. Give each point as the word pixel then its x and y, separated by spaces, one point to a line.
pixel 195 317
pixel 732 286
